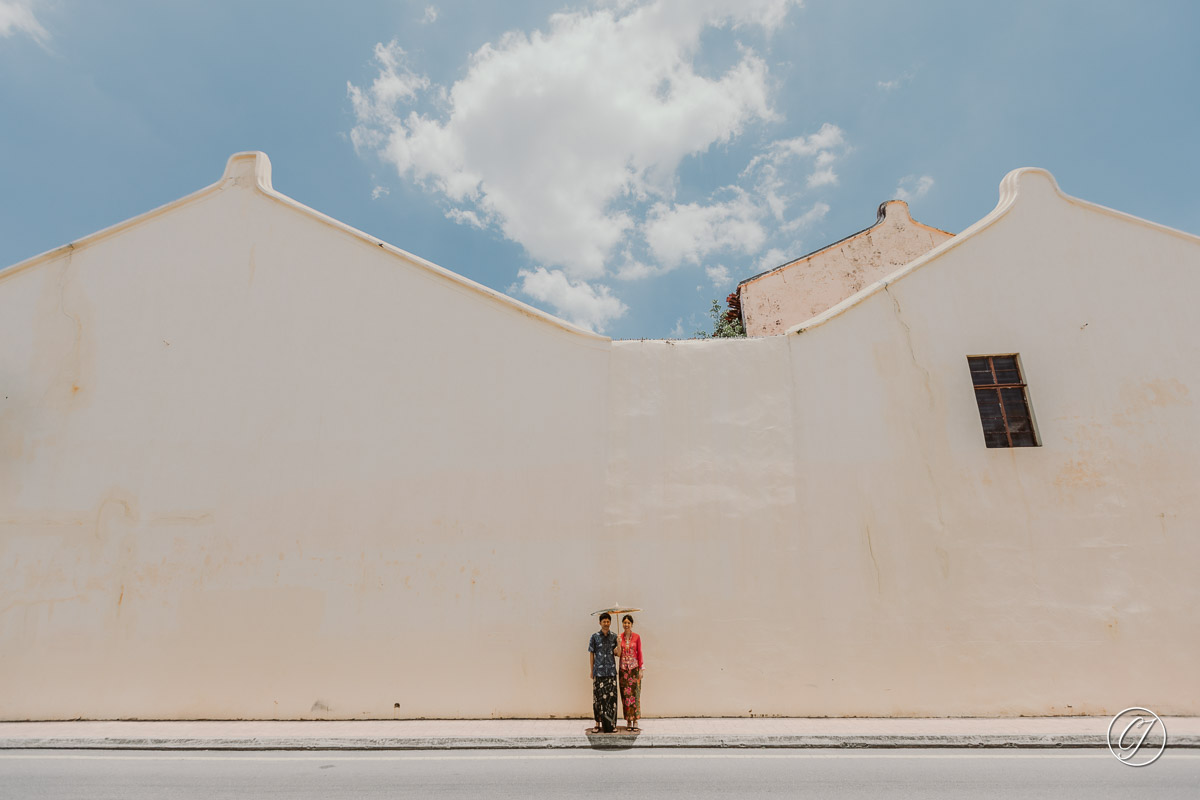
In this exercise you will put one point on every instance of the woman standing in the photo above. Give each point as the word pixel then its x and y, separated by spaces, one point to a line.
pixel 631 674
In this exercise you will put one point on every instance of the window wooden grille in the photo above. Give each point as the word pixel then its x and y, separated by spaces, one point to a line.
pixel 1003 403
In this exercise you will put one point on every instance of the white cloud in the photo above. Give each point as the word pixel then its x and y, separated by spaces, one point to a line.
pixel 822 174
pixel 16 16
pixel 373 106
pixel 719 275
pixel 677 332
pixel 465 216
pixel 689 232
pixel 634 270
pixel 379 191
pixel 588 306
pixel 822 177
pixel 828 138
pixel 560 137
pixel 808 218
pixel 913 188
pixel 431 15
pixel 897 82
pixel 569 139
pixel 824 148
pixel 778 256
pixel 773 258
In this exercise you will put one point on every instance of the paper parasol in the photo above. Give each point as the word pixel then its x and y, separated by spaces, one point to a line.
pixel 616 610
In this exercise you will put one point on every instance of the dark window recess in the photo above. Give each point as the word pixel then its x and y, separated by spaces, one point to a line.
pixel 1003 404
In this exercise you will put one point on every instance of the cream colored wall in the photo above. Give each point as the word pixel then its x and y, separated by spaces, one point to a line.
pixel 284 471
pixel 1044 580
pixel 787 296
pixel 254 466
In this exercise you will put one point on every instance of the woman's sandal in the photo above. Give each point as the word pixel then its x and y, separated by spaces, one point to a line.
pixel 594 730
pixel 635 730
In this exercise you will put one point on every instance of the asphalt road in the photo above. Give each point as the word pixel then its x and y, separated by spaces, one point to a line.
pixel 959 774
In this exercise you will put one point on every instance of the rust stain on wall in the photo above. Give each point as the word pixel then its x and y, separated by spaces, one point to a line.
pixel 116 505
pixel 182 518
pixel 1141 399
pixel 1078 473
pixel 50 520
pixel 943 561
pixel 1158 393
pixel 60 341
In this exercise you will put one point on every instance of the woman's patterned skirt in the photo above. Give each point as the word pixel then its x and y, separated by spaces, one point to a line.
pixel 631 692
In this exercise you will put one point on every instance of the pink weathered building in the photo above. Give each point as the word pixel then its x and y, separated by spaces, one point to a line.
pixel 783 297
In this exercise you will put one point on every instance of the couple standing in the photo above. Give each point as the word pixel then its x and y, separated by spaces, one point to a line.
pixel 604 650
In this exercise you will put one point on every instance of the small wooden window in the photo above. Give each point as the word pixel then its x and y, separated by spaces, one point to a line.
pixel 1003 403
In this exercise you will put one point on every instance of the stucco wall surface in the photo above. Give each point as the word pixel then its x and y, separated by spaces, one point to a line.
pixel 254 465
pixel 789 295
pixel 1048 580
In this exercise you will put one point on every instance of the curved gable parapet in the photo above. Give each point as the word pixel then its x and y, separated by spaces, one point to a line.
pixel 251 169
pixel 1010 188
pixel 775 300
pixel 1026 180
pixel 1029 181
pixel 897 213
pixel 1022 185
pixel 890 213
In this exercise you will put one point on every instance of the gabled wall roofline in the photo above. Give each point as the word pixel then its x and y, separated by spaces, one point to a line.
pixel 1011 187
pixel 881 214
pixel 251 169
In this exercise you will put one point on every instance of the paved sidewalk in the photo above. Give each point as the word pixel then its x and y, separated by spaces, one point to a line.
pixel 571 733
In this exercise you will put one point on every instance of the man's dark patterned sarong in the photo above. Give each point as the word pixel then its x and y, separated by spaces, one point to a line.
pixel 604 702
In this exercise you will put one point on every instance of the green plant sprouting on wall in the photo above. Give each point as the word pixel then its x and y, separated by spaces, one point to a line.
pixel 727 322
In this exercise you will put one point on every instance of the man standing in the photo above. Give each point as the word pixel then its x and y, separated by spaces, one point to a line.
pixel 603 650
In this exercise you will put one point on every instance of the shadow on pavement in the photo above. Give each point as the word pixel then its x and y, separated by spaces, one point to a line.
pixel 617 740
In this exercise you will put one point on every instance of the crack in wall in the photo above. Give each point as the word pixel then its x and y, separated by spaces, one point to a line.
pixel 926 378
pixel 927 382
pixel 874 562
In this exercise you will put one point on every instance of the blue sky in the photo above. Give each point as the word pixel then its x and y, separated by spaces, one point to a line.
pixel 619 163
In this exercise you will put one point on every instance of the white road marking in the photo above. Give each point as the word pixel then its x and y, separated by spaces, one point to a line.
pixel 284 756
